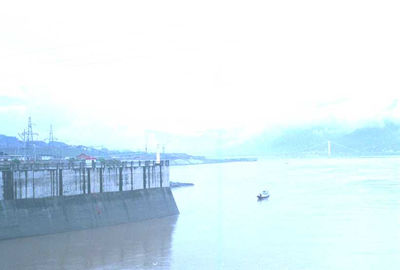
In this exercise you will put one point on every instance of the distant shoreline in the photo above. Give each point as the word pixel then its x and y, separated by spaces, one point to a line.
pixel 189 162
pixel 186 162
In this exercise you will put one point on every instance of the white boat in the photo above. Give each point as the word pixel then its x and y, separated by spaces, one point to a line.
pixel 263 195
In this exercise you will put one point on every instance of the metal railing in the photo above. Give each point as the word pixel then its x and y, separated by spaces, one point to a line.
pixel 67 164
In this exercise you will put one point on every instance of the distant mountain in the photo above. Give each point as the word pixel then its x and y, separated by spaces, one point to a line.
pixel 313 141
pixel 8 141
pixel 374 140
pixel 291 142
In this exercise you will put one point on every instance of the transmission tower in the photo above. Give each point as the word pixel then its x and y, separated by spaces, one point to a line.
pixel 52 150
pixel 27 137
pixel 51 135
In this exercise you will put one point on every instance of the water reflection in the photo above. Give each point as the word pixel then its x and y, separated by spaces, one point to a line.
pixel 128 246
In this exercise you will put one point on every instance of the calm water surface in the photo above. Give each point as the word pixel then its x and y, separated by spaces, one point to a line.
pixel 322 214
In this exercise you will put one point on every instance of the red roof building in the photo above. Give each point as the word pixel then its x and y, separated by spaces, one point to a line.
pixel 85 157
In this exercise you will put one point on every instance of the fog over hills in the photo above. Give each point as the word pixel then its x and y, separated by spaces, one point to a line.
pixel 383 139
pixel 301 141
pixel 221 78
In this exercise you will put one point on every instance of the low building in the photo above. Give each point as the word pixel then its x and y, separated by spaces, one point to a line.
pixel 85 157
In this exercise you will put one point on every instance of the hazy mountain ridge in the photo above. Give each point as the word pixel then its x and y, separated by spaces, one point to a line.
pixel 309 141
pixel 381 139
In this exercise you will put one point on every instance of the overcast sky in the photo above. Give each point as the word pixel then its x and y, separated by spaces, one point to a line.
pixel 110 72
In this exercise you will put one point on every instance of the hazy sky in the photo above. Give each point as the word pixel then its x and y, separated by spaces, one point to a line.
pixel 110 72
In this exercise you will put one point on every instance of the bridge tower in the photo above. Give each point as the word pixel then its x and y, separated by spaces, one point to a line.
pixel 329 148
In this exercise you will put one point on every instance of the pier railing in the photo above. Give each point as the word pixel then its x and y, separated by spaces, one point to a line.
pixel 75 164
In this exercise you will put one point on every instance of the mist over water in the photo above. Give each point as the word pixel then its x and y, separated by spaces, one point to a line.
pixel 322 214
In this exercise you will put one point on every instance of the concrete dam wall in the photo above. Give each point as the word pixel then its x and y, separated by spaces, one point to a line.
pixel 81 197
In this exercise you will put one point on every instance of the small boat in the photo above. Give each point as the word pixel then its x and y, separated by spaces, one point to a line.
pixel 263 195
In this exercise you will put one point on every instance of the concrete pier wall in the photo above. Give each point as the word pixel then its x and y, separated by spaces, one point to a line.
pixel 24 181
pixel 51 197
pixel 28 217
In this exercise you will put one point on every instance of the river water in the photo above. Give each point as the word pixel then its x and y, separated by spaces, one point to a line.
pixel 322 214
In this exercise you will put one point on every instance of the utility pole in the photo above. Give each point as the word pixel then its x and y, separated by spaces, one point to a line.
pixel 30 132
pixel 22 136
pixel 51 140
pixel 147 142
pixel 51 136
pixel 158 154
